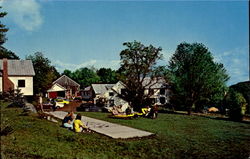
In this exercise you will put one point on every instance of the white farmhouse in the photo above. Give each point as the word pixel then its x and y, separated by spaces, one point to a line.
pixel 17 74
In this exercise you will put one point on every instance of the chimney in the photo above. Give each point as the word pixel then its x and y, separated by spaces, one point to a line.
pixel 7 84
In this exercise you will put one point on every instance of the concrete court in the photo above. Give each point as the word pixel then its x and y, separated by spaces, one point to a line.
pixel 112 130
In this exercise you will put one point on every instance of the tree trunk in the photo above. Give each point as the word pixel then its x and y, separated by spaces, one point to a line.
pixel 189 111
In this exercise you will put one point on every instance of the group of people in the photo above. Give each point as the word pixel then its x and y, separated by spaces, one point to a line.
pixel 116 110
pixel 73 123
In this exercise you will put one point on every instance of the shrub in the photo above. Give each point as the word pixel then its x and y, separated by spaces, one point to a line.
pixel 236 104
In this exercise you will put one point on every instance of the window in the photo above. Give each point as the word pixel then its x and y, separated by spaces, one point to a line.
pixel 123 91
pixel 21 83
pixel 150 91
pixel 111 102
pixel 162 91
pixel 162 100
pixel 111 93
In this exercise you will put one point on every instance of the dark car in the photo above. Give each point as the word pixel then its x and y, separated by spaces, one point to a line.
pixel 89 108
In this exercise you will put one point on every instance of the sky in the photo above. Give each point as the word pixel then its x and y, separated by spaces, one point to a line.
pixel 78 33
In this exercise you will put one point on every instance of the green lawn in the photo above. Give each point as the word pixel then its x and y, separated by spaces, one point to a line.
pixel 177 136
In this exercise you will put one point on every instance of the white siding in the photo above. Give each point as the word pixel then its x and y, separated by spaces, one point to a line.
pixel 56 88
pixel 28 89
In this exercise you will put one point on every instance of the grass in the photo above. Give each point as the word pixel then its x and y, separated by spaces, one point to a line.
pixel 177 136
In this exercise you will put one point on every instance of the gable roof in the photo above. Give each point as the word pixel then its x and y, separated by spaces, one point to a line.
pixel 66 81
pixel 56 87
pixel 19 68
pixel 101 88
pixel 87 88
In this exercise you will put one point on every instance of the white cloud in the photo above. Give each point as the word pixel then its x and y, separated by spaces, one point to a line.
pixel 25 13
pixel 236 63
pixel 61 66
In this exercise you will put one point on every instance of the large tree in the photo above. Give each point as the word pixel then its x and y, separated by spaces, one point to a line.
pixel 138 62
pixel 45 72
pixel 195 75
pixel 107 75
pixel 5 53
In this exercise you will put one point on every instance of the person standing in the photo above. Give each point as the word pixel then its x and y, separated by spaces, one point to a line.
pixel 40 102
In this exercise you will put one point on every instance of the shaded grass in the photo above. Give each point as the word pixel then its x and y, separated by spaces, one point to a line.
pixel 178 136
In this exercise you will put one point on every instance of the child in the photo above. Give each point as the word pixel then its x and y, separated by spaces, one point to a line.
pixel 78 125
pixel 67 121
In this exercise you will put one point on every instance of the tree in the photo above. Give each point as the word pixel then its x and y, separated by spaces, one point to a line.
pixel 244 89
pixel 45 72
pixel 107 75
pixel 236 103
pixel 68 73
pixel 3 29
pixel 138 62
pixel 195 76
pixel 5 53
pixel 84 76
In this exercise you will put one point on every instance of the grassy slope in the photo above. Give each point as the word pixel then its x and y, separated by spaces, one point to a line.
pixel 177 136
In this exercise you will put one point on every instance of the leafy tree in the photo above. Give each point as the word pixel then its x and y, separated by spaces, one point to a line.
pixel 107 75
pixel 45 72
pixel 84 76
pixel 236 104
pixel 244 89
pixel 5 53
pixel 195 76
pixel 138 62
pixel 68 73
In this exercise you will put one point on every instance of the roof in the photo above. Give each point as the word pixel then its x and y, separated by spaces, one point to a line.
pixel 101 88
pixel 87 88
pixel 160 83
pixel 56 87
pixel 66 81
pixel 19 68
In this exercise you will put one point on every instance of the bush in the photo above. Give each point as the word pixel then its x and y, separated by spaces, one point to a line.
pixel 236 104
pixel 244 89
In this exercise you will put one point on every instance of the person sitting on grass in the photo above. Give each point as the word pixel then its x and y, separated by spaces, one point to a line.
pixel 67 121
pixel 78 125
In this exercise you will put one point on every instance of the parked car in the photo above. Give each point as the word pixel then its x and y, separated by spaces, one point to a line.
pixel 89 108
pixel 78 99
pixel 60 102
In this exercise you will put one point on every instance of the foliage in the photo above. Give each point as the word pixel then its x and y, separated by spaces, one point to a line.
pixel 45 72
pixel 195 76
pixel 84 76
pixel 67 73
pixel 3 29
pixel 5 53
pixel 236 104
pixel 244 89
pixel 138 62
pixel 107 75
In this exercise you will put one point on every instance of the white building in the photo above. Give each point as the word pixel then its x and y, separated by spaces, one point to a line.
pixel 17 74
pixel 159 92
